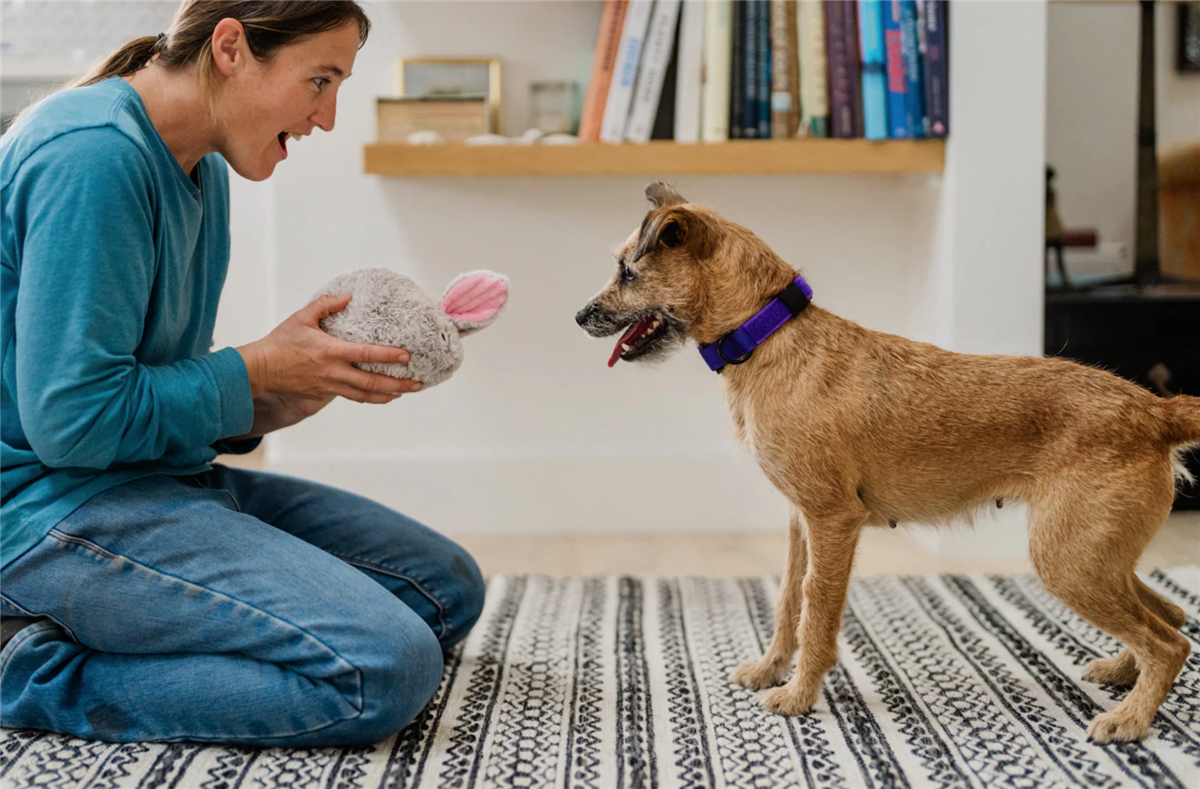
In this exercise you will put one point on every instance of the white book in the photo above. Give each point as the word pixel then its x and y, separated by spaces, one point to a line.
pixel 814 74
pixel 652 71
pixel 689 71
pixel 629 54
pixel 714 95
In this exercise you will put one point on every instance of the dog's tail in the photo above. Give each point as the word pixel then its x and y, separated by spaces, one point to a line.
pixel 1183 420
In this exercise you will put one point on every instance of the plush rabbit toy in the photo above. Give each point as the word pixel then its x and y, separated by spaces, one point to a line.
pixel 390 309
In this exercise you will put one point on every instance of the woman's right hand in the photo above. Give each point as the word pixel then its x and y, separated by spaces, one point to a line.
pixel 298 359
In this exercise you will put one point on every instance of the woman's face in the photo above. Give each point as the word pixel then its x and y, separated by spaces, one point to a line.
pixel 262 105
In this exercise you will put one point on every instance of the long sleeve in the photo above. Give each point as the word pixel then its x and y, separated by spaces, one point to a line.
pixel 89 394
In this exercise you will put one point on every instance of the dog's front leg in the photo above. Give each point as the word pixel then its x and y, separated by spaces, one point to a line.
pixel 773 667
pixel 832 538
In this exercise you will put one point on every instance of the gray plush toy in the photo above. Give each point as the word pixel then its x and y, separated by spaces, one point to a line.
pixel 390 309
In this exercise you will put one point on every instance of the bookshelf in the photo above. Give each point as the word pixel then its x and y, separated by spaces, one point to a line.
pixel 744 157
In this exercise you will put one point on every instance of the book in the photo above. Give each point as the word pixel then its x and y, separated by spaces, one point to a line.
pixel 814 75
pixel 914 95
pixel 855 64
pixel 652 70
pixel 689 71
pixel 750 56
pixel 874 69
pixel 899 122
pixel 937 88
pixel 607 41
pixel 737 69
pixel 714 99
pixel 625 71
pixel 785 70
pixel 763 34
pixel 664 118
pixel 842 69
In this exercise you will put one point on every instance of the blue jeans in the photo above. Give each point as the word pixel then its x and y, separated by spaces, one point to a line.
pixel 233 606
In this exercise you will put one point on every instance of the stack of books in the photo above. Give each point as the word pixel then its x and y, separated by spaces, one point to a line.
pixel 714 70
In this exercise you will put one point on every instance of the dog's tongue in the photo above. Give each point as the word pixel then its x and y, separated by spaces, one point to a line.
pixel 632 331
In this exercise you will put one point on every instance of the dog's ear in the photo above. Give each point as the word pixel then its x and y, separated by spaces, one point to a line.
pixel 660 194
pixel 671 228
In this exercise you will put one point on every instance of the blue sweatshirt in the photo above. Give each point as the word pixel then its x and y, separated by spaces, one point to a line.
pixel 112 260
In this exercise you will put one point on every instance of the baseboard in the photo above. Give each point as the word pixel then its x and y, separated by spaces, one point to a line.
pixel 555 494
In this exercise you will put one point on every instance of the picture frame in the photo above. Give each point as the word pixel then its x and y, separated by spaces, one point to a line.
pixel 1188 38
pixel 430 77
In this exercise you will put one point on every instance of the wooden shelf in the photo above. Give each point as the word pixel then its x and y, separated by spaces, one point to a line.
pixel 737 157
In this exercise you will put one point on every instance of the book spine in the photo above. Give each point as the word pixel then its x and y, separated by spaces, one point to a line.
pixel 714 101
pixel 914 89
pixel 689 70
pixel 937 88
pixel 737 70
pixel 664 117
pixel 750 69
pixel 899 126
pixel 783 79
pixel 814 75
pixel 874 69
pixel 763 31
pixel 656 56
pixel 608 40
pixel 620 92
pixel 840 106
pixel 854 65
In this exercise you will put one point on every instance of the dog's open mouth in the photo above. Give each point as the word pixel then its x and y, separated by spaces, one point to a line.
pixel 641 338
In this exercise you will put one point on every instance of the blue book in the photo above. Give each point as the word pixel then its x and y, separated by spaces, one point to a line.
pixel 899 124
pixel 874 69
pixel 915 89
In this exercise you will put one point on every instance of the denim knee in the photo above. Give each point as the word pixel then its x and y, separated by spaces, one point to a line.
pixel 401 669
pixel 463 599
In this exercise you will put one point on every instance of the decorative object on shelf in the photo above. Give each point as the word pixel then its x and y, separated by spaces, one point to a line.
pixel 554 106
pixel 1188 55
pixel 1054 229
pixel 452 118
pixel 425 138
pixel 450 78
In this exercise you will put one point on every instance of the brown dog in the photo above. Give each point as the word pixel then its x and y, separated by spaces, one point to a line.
pixel 858 428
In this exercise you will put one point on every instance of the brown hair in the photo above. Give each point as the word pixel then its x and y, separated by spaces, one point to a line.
pixel 268 24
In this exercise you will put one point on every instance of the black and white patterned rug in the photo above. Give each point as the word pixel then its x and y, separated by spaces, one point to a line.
pixel 950 681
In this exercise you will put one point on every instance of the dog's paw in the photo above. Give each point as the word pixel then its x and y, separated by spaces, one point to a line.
pixel 1118 726
pixel 1119 670
pixel 759 674
pixel 791 699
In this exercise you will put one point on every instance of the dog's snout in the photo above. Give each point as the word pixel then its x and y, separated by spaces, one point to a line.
pixel 582 316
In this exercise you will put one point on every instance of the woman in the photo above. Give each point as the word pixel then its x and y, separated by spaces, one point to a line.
pixel 149 595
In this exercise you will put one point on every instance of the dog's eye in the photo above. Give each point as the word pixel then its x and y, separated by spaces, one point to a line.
pixel 626 274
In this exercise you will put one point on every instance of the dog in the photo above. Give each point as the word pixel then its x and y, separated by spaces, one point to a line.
pixel 859 428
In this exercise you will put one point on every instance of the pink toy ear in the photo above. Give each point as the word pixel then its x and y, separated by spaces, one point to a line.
pixel 473 300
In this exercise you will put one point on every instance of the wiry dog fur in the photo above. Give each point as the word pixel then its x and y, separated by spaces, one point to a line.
pixel 858 428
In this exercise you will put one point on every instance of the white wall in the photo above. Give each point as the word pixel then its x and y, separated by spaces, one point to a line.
pixel 534 433
pixel 1091 119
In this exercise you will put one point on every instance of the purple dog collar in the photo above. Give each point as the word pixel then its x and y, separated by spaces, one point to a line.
pixel 736 346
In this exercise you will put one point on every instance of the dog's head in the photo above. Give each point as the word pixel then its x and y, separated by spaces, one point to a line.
pixel 684 272
pixel 657 286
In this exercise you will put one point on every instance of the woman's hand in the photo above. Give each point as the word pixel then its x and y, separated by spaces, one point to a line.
pixel 306 368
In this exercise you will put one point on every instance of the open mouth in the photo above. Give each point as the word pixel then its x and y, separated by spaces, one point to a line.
pixel 282 137
pixel 646 335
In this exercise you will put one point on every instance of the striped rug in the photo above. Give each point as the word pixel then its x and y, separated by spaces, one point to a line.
pixel 944 681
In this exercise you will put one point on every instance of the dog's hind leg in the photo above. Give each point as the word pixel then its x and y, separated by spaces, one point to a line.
pixel 832 538
pixel 1085 553
pixel 1123 669
pixel 774 666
